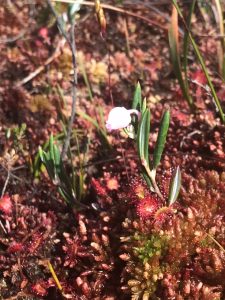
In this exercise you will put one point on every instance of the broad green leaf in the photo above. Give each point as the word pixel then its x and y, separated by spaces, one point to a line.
pixel 175 186
pixel 137 101
pixel 143 136
pixel 49 164
pixel 161 138
pixel 146 134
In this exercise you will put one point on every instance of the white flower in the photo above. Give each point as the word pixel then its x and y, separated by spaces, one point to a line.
pixel 120 117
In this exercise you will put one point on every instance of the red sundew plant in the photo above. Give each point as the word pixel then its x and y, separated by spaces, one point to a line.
pixel 147 207
pixel 152 207
pixel 182 255
pixel 6 205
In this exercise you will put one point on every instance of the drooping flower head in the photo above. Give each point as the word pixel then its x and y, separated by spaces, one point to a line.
pixel 120 117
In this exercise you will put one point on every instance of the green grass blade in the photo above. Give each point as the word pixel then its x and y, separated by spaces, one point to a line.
pixel 221 43
pixel 146 178
pixel 81 64
pixel 101 131
pixel 144 105
pixel 161 138
pixel 51 147
pixel 175 56
pixel 201 61
pixel 89 119
pixel 175 186
pixel 186 42
pixel 56 155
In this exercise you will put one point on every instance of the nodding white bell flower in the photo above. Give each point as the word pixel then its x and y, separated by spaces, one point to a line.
pixel 120 117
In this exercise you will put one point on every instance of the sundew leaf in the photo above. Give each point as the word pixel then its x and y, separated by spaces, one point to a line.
pixel 175 186
pixel 137 100
pixel 161 138
pixel 143 136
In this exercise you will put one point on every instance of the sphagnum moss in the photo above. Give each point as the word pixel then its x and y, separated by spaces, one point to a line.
pixel 183 257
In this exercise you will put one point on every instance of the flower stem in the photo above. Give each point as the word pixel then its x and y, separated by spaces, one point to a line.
pixel 151 174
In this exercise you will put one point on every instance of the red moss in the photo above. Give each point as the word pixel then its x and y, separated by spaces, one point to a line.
pixel 15 247
pixel 100 190
pixel 6 205
pixel 40 288
pixel 162 215
pixel 35 243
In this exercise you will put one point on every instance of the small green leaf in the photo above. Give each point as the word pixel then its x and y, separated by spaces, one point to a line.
pixel 51 147
pixel 161 138
pixel 143 136
pixel 146 134
pixel 175 186
pixel 186 43
pixel 40 151
pixel 137 101
pixel 57 157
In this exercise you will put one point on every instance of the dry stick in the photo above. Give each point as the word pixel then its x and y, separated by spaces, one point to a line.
pixel 13 39
pixel 71 41
pixel 120 10
pixel 74 91
pixel 6 183
pixel 46 63
pixel 2 226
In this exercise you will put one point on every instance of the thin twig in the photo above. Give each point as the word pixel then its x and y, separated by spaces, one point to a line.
pixel 40 69
pixel 2 226
pixel 71 41
pixel 74 92
pixel 13 39
pixel 6 183
pixel 120 10
pixel 59 22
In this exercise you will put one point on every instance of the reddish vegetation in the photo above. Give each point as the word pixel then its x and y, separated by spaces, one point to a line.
pixel 6 205
pixel 122 241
